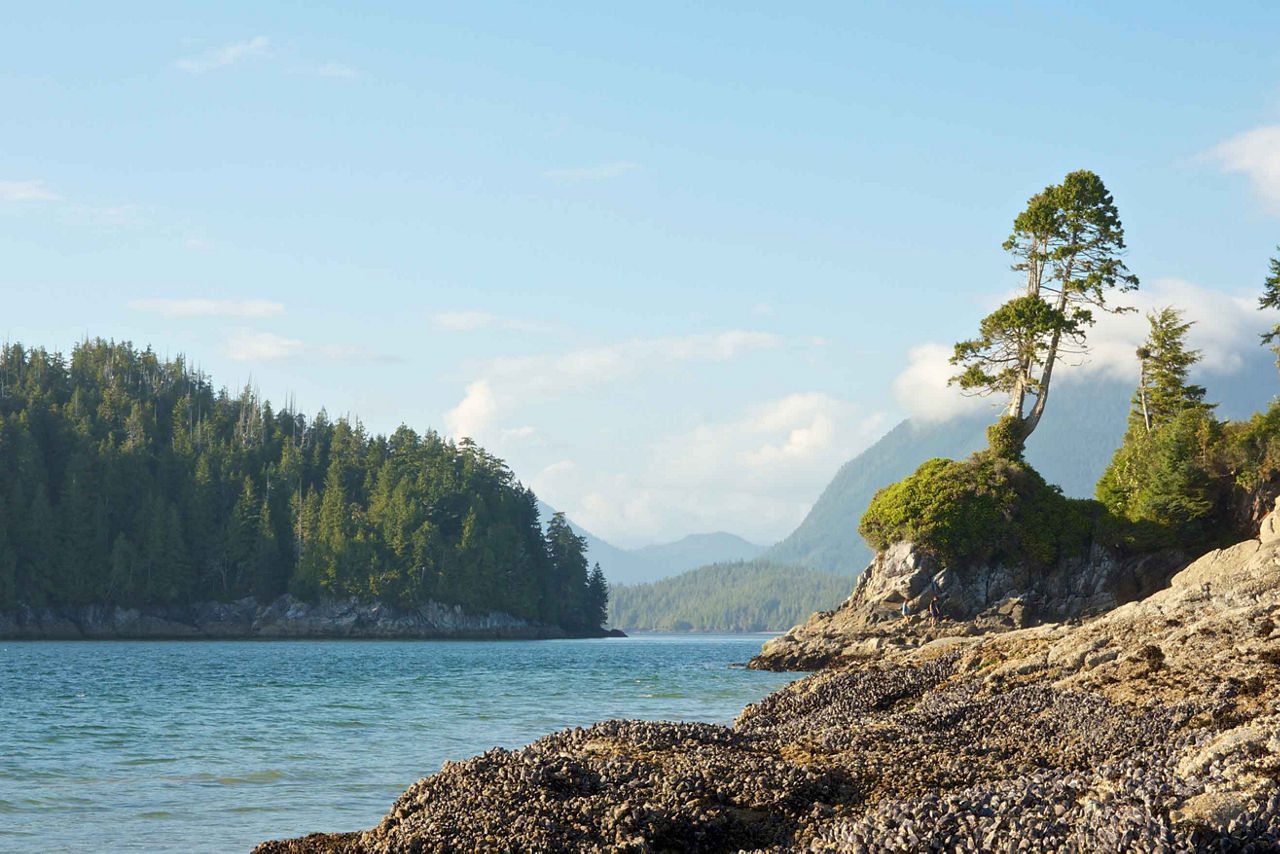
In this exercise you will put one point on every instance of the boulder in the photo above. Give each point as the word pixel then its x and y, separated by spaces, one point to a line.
pixel 1269 532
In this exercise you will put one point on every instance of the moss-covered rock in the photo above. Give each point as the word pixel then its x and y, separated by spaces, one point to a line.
pixel 988 507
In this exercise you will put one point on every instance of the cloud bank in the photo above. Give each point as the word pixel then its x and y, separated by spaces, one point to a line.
pixel 510 381
pixel 762 467
pixel 1224 325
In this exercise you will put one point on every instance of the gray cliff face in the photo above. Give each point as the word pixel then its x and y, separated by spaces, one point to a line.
pixel 285 617
pixel 980 598
pixel 1074 588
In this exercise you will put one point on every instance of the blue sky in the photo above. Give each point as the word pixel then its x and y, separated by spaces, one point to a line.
pixel 675 263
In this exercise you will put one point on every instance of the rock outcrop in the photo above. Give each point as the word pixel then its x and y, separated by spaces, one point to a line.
pixel 285 617
pixel 1153 728
pixel 972 599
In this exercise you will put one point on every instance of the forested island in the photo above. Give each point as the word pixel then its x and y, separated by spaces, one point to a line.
pixel 129 481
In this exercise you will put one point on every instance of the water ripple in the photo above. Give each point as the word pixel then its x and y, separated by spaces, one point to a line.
pixel 217 745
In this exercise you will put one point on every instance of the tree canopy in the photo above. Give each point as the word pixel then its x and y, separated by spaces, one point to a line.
pixel 1164 359
pixel 1271 299
pixel 1068 243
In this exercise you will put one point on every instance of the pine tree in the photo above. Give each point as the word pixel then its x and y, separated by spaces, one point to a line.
pixel 1163 390
pixel 1068 242
pixel 597 604
pixel 566 553
pixel 1271 299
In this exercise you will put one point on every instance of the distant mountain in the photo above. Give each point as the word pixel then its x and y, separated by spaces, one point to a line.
pixel 748 596
pixel 696 550
pixel 651 563
pixel 1083 425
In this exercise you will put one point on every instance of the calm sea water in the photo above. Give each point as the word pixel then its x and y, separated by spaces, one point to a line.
pixel 216 746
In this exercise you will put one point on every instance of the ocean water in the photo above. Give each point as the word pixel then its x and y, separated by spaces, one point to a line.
pixel 219 745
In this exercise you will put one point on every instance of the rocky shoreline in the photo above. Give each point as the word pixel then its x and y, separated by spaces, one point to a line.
pixel 284 617
pixel 1154 727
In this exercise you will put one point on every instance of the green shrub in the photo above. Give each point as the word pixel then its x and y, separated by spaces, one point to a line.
pixel 988 507
pixel 1007 438
pixel 1163 480
pixel 1194 483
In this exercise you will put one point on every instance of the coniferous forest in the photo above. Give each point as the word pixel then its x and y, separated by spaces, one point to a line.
pixel 127 479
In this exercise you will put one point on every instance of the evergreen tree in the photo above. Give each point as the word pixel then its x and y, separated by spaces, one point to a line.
pixel 566 554
pixel 1163 390
pixel 1068 243
pixel 1271 299
pixel 1160 474
pixel 597 598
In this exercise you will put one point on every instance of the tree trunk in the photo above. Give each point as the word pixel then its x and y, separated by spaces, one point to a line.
pixel 1033 420
pixel 1018 397
pixel 1142 394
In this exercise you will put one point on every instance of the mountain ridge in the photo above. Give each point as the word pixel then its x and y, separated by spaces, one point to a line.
pixel 655 562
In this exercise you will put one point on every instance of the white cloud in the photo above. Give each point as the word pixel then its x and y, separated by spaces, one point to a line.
pixel 336 70
pixel 26 191
pixel 73 212
pixel 598 172
pixel 1256 153
pixel 509 381
pixel 761 468
pixel 221 57
pixel 522 432
pixel 770 443
pixel 922 391
pixel 209 307
pixel 762 309
pixel 474 413
pixel 578 371
pixel 470 321
pixel 198 244
pixel 250 346
pixel 1225 326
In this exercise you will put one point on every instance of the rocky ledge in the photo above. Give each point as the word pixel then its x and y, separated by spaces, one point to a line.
pixel 973 600
pixel 1155 727
pixel 285 617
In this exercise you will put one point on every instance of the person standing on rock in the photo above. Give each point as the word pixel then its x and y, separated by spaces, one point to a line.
pixel 906 610
pixel 934 612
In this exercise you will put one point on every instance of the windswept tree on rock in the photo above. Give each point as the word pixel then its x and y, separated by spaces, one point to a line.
pixel 1069 243
pixel 1271 299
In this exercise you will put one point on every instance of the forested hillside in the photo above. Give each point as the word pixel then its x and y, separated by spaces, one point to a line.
pixel 748 596
pixel 125 479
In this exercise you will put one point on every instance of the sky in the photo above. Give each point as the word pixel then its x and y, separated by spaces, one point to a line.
pixel 675 262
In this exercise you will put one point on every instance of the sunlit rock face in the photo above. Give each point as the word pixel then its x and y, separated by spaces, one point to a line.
pixel 970 599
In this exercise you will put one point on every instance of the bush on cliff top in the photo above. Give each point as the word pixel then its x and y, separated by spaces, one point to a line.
pixel 1195 483
pixel 986 508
